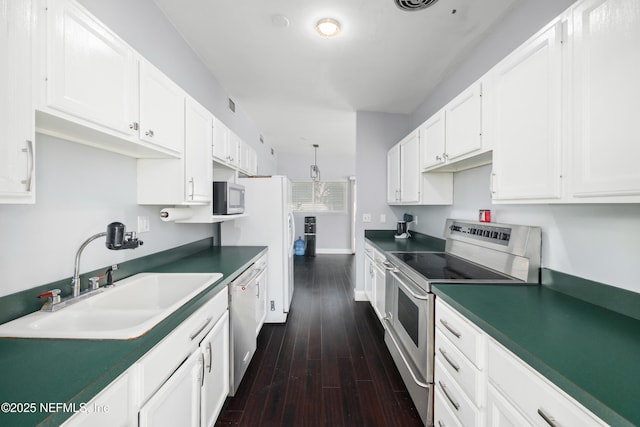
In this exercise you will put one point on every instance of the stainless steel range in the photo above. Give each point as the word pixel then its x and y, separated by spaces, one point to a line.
pixel 475 252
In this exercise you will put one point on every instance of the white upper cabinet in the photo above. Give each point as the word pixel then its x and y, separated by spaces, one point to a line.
pixel 453 136
pixel 95 89
pixel 198 140
pixel 464 123
pixel 185 181
pixel 432 140
pixel 605 69
pixel 523 95
pixel 407 184
pixel 161 110
pixel 17 149
pixel 90 73
pixel 221 136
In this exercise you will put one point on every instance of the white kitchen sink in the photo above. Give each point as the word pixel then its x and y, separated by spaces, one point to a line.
pixel 126 311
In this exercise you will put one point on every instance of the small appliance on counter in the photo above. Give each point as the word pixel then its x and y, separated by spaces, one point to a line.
pixel 402 231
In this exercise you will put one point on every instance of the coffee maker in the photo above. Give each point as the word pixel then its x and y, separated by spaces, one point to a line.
pixel 402 231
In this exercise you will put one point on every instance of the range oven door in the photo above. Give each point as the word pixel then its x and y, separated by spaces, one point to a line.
pixel 409 335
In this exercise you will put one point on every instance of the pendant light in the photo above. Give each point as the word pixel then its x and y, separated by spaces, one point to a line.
pixel 314 169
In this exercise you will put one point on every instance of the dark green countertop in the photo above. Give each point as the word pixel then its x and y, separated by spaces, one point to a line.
pixel 590 352
pixel 74 371
pixel 384 241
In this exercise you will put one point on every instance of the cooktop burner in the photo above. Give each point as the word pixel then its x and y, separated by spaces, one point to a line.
pixel 436 266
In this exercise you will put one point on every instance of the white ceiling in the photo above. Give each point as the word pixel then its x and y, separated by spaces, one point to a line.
pixel 301 89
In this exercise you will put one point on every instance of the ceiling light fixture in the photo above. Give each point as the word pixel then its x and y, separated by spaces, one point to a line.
pixel 315 170
pixel 328 27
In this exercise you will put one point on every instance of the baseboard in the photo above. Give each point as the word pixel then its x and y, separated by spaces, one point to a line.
pixel 334 251
pixel 360 295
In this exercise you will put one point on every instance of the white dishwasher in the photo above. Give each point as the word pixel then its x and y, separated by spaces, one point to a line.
pixel 243 303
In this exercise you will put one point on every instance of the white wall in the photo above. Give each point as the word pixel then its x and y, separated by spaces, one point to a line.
pixel 333 230
pixel 375 134
pixel 81 189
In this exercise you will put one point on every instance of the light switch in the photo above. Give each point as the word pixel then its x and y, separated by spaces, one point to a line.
pixel 143 224
pixel 383 218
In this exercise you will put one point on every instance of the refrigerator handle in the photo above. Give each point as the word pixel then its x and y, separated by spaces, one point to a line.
pixel 292 230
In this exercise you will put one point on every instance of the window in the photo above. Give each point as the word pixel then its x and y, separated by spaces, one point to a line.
pixel 322 196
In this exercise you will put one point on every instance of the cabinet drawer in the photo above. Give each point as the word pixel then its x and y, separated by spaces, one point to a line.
pixel 443 415
pixel 466 337
pixel 455 399
pixel 468 377
pixel 532 394
pixel 158 365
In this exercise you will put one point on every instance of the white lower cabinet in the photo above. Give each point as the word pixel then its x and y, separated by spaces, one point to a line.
pixel 478 382
pixel 374 279
pixel 190 392
pixel 115 406
pixel 540 401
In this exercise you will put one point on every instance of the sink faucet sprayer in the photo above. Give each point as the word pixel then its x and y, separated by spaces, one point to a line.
pixel 117 238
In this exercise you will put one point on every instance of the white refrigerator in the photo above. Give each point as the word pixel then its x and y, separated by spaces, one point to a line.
pixel 269 223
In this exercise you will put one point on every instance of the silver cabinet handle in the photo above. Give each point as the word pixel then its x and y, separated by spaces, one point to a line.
pixel 149 133
pixel 134 126
pixel 197 332
pixel 209 350
pixel 450 329
pixel 455 404
pixel 388 266
pixel 201 363
pixel 448 359
pixel 193 188
pixel 548 418
pixel 438 158
pixel 441 424
pixel 30 165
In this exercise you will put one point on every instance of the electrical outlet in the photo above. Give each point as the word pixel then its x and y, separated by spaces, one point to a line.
pixel 143 224
pixel 366 217
pixel 383 218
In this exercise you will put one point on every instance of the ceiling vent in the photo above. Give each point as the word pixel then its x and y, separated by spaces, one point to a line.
pixel 412 5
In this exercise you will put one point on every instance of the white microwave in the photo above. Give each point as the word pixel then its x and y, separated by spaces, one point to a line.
pixel 228 198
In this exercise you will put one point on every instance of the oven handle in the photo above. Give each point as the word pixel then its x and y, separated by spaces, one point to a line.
pixel 406 362
pixel 406 288
pixel 390 267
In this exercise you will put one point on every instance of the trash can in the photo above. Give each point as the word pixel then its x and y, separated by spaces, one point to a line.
pixel 309 236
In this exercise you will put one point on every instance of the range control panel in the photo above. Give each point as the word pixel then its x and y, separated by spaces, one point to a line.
pixel 486 233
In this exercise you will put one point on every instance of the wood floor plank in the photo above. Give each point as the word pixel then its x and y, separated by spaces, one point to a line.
pixel 327 366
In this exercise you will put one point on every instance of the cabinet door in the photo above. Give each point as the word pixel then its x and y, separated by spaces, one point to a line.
pixel 606 98
pixel 378 291
pixel 464 123
pixel 177 402
pixel 393 174
pixel 500 413
pixel 221 135
pixel 161 110
pixel 432 141
pixel 234 149
pixel 524 101
pixel 17 150
pixel 115 406
pixel 91 73
pixel 197 155
pixel 215 386
pixel 410 173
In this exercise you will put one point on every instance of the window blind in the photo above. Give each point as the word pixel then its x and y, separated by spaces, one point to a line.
pixel 319 196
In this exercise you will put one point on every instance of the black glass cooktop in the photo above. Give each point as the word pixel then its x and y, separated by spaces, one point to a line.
pixel 442 266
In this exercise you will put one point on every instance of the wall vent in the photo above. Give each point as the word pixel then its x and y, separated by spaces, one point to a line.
pixel 232 105
pixel 412 5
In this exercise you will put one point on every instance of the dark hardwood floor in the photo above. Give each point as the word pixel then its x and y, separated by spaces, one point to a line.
pixel 327 366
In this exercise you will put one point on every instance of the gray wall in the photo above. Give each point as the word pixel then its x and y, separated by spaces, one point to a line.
pixel 81 189
pixel 375 134
pixel 598 242
pixel 333 230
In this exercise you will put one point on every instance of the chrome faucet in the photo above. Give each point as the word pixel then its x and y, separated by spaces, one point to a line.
pixel 117 238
